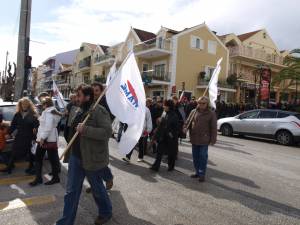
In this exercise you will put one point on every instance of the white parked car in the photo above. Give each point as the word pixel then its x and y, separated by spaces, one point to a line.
pixel 282 126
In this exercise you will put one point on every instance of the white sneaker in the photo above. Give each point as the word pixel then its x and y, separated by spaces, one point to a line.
pixel 126 159
pixel 140 160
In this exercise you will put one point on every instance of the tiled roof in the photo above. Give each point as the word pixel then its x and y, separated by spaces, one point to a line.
pixel 104 48
pixel 144 35
pixel 245 36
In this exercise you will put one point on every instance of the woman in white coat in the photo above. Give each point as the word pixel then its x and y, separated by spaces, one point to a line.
pixel 47 138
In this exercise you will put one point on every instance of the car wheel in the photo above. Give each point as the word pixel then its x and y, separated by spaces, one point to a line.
pixel 226 130
pixel 284 137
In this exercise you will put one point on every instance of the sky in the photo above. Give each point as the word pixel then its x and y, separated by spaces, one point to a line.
pixel 62 25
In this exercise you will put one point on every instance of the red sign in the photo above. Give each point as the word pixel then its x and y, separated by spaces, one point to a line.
pixel 265 84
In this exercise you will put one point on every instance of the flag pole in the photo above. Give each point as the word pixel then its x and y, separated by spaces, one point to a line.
pixel 71 142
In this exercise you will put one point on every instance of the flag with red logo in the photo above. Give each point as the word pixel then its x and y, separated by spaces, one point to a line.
pixel 127 101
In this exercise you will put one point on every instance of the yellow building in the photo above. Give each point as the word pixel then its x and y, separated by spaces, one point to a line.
pixel 172 60
pixel 249 53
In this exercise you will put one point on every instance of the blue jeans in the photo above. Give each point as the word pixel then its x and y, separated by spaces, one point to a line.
pixel 76 175
pixel 200 157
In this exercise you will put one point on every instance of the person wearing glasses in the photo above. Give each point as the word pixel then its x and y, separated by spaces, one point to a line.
pixel 202 126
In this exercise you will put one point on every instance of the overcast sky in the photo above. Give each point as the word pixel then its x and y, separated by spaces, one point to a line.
pixel 63 24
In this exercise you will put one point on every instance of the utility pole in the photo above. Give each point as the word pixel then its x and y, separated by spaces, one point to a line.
pixel 23 48
pixel 6 64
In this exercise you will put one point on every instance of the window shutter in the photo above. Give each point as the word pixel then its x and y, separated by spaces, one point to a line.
pixel 201 44
pixel 193 42
pixel 212 47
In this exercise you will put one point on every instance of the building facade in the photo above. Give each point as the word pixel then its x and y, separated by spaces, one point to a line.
pixel 169 61
pixel 250 54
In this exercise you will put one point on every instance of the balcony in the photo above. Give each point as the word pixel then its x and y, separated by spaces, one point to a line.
pixel 85 63
pixel 153 48
pixel 156 78
pixel 108 58
pixel 256 54
pixel 222 85
pixel 100 79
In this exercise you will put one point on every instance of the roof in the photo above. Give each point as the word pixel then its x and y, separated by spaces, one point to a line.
pixel 104 48
pixel 171 30
pixel 144 35
pixel 245 36
pixel 92 46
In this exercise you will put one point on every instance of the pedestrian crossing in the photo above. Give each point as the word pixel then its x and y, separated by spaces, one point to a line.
pixel 16 193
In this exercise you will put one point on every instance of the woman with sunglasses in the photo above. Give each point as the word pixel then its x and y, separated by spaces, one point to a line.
pixel 203 132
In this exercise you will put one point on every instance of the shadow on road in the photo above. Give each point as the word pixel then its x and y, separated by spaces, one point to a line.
pixel 212 187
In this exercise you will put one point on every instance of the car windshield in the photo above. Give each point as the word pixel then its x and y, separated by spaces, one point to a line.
pixel 8 112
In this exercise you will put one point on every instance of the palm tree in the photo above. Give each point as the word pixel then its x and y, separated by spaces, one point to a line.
pixel 290 75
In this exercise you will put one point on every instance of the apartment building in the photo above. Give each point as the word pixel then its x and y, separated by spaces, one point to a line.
pixel 63 79
pixel 51 67
pixel 169 60
pixel 249 54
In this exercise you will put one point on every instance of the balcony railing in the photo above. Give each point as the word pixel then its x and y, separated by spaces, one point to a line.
pixel 162 44
pixel 101 79
pixel 86 62
pixel 258 54
pixel 222 84
pixel 155 76
pixel 103 58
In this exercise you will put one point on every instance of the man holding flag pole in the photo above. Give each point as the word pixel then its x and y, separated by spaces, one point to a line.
pixel 202 126
pixel 92 130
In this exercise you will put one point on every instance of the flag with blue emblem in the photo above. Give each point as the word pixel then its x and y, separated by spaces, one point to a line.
pixel 127 101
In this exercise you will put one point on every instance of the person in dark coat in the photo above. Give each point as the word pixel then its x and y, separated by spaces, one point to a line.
pixel 24 125
pixel 156 111
pixel 166 137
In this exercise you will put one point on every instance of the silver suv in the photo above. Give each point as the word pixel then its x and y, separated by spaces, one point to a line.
pixel 282 126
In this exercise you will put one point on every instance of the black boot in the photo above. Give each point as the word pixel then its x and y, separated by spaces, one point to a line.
pixel 54 180
pixel 37 181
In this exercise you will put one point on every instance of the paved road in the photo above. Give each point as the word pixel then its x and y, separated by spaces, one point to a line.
pixel 249 182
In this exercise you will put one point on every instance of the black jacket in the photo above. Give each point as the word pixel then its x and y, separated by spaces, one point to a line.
pixel 24 128
pixel 168 128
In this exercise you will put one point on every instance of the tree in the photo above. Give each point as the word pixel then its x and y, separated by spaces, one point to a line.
pixel 289 76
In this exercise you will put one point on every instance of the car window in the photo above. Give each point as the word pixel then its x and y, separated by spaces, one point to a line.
pixel 249 115
pixel 282 115
pixel 8 112
pixel 267 114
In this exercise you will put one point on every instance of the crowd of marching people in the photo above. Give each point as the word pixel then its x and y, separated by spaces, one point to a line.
pixel 35 129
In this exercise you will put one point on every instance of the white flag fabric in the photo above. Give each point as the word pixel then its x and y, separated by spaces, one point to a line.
pixel 111 73
pixel 59 97
pixel 127 101
pixel 213 84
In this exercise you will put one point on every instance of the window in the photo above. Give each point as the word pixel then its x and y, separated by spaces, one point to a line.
pixel 282 115
pixel 209 72
pixel 197 42
pixel 267 114
pixel 145 69
pixel 159 70
pixel 249 115
pixel 160 43
pixel 81 48
pixel 130 45
pixel 212 47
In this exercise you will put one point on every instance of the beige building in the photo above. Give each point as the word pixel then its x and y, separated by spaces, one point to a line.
pixel 169 60
pixel 249 53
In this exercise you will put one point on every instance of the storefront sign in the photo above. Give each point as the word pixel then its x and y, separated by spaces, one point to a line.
pixel 265 85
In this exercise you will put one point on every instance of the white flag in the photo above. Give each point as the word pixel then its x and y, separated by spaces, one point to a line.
pixel 111 73
pixel 127 101
pixel 213 84
pixel 59 97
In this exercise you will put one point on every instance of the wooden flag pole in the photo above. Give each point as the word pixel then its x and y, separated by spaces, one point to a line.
pixel 84 122
pixel 71 142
